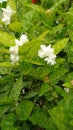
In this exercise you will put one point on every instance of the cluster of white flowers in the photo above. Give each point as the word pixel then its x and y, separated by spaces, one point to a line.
pixel 47 52
pixel 14 49
pixel 6 15
pixel 3 1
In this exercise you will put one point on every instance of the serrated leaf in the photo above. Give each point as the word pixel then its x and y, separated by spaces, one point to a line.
pixel 24 109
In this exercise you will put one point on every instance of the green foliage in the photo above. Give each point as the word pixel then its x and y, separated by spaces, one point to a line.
pixel 24 109
pixel 33 94
pixel 6 39
pixel 44 88
pixel 63 113
pixel 8 121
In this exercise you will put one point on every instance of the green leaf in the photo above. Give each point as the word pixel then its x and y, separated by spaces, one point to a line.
pixel 31 94
pixel 68 85
pixel 15 92
pixel 5 64
pixel 5 100
pixel 63 113
pixel 39 118
pixel 42 36
pixel 32 47
pixel 59 45
pixel 8 122
pixel 12 4
pixel 7 39
pixel 30 52
pixel 57 5
pixel 43 70
pixel 50 125
pixel 34 7
pixel 24 109
pixel 57 73
pixel 71 122
pixel 44 88
pixel 4 69
pixel 16 27
pixel 69 77
pixel 4 109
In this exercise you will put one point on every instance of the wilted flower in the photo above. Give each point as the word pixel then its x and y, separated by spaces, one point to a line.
pixel 47 53
pixel 23 39
pixel 6 15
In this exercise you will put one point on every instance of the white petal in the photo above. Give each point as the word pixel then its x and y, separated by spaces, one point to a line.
pixel 14 58
pixel 43 47
pixel 14 50
pixel 67 90
pixel 47 52
pixel 41 54
pixel 6 20
pixel 23 38
pixel 17 42
pixel 2 1
pixel 6 15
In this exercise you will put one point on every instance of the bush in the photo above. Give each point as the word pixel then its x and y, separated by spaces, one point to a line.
pixel 36 63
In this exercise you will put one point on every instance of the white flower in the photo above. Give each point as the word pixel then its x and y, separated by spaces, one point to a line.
pixel 14 50
pixel 67 90
pixel 23 39
pixel 2 1
pixel 14 58
pixel 6 15
pixel 47 53
pixel 51 59
pixel 14 54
